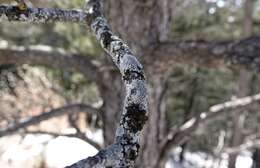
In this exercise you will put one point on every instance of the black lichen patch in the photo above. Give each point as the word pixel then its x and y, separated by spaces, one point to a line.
pixel 106 39
pixel 130 75
pixel 135 117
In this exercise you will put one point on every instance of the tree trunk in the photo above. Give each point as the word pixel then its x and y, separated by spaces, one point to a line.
pixel 239 117
pixel 141 23
pixel 112 94
pixel 155 129
pixel 243 88
pixel 237 138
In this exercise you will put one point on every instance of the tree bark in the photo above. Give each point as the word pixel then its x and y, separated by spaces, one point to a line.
pixel 243 89
pixel 239 117
pixel 142 24
pixel 155 130
pixel 112 95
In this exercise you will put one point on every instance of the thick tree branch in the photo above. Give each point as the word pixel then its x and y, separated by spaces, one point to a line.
pixel 178 136
pixel 244 53
pixel 80 63
pixel 12 128
pixel 124 151
pixel 43 15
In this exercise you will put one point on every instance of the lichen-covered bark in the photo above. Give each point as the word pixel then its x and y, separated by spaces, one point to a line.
pixel 125 150
pixel 42 15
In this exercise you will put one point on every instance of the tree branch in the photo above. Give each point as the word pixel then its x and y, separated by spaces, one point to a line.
pixel 178 136
pixel 244 53
pixel 43 15
pixel 12 128
pixel 251 141
pixel 76 135
pixel 51 59
pixel 125 150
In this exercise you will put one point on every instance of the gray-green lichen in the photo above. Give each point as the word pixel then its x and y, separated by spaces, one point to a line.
pixel 43 15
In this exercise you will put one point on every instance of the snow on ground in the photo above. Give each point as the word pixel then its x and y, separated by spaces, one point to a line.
pixel 35 150
pixel 64 151
pixel 202 160
pixel 17 152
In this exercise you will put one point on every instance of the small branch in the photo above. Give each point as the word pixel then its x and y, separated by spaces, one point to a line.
pixel 43 15
pixel 12 128
pixel 80 136
pixel 178 135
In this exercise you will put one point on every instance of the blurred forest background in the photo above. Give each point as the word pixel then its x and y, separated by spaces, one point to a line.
pixel 178 91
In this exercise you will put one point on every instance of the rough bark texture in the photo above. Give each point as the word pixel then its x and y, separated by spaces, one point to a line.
pixel 42 15
pixel 141 22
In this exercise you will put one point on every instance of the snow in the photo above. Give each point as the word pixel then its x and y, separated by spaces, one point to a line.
pixel 33 150
pixel 202 160
pixel 64 151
